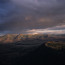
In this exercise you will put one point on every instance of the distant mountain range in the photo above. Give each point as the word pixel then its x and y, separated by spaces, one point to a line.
pixel 11 38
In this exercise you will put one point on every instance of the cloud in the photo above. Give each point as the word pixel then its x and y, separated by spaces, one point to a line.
pixel 61 27
pixel 22 15
pixel 51 30
pixel 43 31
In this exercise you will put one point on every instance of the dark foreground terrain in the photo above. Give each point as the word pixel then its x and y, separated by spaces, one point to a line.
pixel 34 51
pixel 14 54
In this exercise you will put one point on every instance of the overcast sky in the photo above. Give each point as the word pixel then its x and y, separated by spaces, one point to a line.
pixel 24 16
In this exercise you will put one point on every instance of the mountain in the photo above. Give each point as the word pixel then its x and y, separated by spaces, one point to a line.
pixel 12 38
pixel 8 38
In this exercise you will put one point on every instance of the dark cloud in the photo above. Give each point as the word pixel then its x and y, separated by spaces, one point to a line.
pixel 4 1
pixel 20 15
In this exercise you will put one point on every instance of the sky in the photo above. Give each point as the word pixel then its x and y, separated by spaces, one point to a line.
pixel 32 16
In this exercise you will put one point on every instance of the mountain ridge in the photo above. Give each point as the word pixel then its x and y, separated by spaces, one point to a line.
pixel 12 38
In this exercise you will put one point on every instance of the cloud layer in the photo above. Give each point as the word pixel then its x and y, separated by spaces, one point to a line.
pixel 18 16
